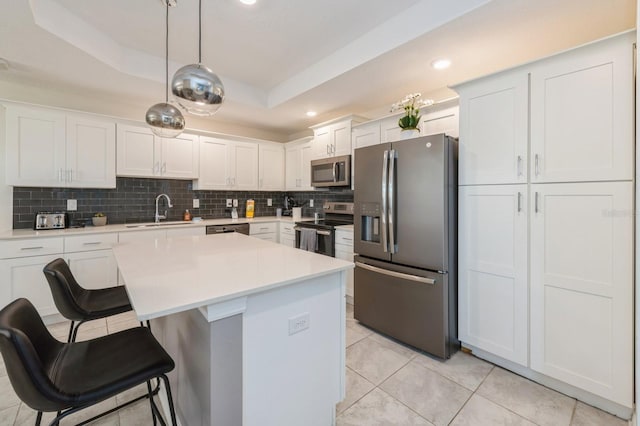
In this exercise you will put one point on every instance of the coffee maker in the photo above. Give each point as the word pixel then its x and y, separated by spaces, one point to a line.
pixel 289 204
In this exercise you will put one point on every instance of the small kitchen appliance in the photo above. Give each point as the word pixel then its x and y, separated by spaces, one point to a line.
pixel 50 220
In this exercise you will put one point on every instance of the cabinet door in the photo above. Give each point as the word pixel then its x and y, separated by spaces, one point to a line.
pixel 492 267
pixel 271 167
pixel 344 253
pixel 582 286
pixel 293 164
pixel 23 277
pixel 443 121
pixel 35 147
pixel 136 146
pixel 493 130
pixel 94 269
pixel 244 173
pixel 389 130
pixel 305 168
pixel 340 139
pixel 180 157
pixel 152 234
pixel 365 135
pixel 582 114
pixel 91 153
pixel 215 162
pixel 321 142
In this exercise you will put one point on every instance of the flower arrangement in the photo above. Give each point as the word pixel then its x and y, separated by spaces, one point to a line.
pixel 411 105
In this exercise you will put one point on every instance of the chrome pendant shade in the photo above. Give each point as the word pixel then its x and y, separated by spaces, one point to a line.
pixel 195 87
pixel 165 119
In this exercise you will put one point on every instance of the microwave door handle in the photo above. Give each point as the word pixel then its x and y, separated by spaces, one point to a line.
pixel 335 165
pixel 383 214
pixel 392 207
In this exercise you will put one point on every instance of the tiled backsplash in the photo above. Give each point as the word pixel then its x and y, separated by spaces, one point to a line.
pixel 133 200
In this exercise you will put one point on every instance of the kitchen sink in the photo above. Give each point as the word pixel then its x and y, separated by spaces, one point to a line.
pixel 155 225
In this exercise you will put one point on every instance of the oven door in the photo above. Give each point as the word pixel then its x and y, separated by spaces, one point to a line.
pixel 325 239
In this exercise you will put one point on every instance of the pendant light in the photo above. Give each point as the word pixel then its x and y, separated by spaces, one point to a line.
pixel 195 87
pixel 165 119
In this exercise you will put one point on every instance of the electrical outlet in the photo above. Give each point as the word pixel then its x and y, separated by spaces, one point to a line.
pixel 235 202
pixel 298 323
pixel 311 203
pixel 72 205
pixel 269 202
pixel 228 202
pixel 196 203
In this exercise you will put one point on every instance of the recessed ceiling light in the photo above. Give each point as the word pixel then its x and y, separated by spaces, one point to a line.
pixel 441 64
pixel 248 1
pixel 311 113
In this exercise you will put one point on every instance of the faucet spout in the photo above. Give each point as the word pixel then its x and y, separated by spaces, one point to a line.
pixel 159 216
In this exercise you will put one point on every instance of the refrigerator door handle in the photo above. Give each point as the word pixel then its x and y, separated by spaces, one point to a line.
pixel 395 274
pixel 383 214
pixel 392 209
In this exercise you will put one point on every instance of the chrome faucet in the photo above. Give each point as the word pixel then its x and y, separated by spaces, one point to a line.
pixel 159 216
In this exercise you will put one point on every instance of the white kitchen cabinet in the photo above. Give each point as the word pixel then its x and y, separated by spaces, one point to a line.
pixel 141 153
pixel 287 235
pixel 344 251
pixel 582 116
pixel 186 231
pixel 227 165
pixel 298 165
pixel 333 139
pixel 440 121
pixel 582 286
pixel 492 270
pixel 49 148
pixel 91 260
pixel 493 129
pixel 149 234
pixel 264 230
pixel 389 129
pixel 271 166
pixel 365 135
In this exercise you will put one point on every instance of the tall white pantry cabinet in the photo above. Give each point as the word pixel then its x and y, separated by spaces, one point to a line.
pixel 546 221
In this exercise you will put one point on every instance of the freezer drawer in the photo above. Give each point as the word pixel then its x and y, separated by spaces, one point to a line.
pixel 410 305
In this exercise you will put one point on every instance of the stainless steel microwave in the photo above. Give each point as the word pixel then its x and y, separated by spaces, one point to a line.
pixel 332 171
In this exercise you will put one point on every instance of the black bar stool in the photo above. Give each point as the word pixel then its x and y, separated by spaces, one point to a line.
pixel 79 304
pixel 48 375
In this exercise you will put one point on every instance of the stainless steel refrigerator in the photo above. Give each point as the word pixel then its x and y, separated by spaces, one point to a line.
pixel 405 234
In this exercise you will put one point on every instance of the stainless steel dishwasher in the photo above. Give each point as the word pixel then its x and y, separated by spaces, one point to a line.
pixel 242 228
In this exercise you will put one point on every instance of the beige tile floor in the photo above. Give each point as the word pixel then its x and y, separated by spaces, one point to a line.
pixel 392 384
pixel 387 384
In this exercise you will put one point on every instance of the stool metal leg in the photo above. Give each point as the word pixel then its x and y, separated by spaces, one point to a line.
pixel 153 413
pixel 70 331
pixel 38 418
pixel 170 398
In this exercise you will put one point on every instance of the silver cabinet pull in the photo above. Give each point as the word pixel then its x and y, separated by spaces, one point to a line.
pixel 536 202
pixel 164 167
pixel 519 201
pixel 383 214
pixel 32 248
pixel 93 243
pixel 537 163
pixel 347 239
pixel 519 165
pixel 396 274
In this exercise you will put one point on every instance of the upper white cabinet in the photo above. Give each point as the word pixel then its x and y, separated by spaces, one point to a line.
pixel 493 129
pixel 227 165
pixel 582 286
pixel 333 139
pixel 441 121
pixel 141 153
pixel 52 149
pixel 365 135
pixel 298 156
pixel 582 118
pixel 271 166
pixel 389 129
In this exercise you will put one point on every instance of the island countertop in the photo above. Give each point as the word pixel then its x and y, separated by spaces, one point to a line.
pixel 163 277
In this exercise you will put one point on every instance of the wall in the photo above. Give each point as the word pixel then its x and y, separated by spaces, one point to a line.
pixel 133 200
pixel 6 200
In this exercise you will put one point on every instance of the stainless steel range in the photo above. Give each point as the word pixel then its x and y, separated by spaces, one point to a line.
pixel 335 214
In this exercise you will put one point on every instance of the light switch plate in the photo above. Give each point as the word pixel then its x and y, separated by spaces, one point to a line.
pixel 311 203
pixel 235 202
pixel 228 202
pixel 269 202
pixel 72 205
pixel 196 203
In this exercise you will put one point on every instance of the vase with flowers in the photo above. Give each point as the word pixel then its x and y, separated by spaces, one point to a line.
pixel 410 121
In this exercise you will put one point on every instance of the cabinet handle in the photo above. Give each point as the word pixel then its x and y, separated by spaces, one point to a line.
pixel 156 167
pixel 537 162
pixel 93 243
pixel 164 167
pixel 333 149
pixel 519 166
pixel 70 175
pixel 351 239
pixel 519 201
pixel 234 180
pixel 536 202
pixel 327 149
pixel 32 248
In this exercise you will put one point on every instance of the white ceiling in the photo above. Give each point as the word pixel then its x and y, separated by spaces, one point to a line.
pixel 280 58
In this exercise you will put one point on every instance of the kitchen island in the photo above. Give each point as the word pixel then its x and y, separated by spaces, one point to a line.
pixel 257 329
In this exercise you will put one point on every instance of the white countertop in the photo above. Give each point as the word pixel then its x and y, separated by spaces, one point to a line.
pixel 174 275
pixel 129 227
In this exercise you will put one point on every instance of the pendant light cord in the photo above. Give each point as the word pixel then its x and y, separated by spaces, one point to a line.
pixel 199 31
pixel 166 56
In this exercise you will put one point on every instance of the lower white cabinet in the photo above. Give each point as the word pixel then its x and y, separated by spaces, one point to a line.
pixel 492 281
pixel 94 269
pixel 265 231
pixel 582 286
pixel 344 251
pixel 287 234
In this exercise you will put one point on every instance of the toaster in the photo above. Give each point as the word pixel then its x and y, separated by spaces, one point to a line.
pixel 50 220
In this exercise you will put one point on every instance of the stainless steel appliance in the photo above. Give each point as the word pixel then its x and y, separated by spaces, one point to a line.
pixel 405 238
pixel 50 220
pixel 289 204
pixel 331 172
pixel 336 214
pixel 242 228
